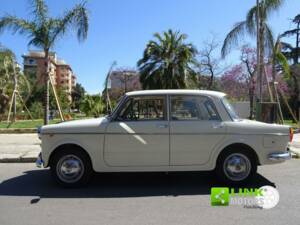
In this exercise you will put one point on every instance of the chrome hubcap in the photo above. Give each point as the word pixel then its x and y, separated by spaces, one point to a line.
pixel 70 168
pixel 237 166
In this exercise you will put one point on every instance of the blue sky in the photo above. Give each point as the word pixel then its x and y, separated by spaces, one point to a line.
pixel 120 29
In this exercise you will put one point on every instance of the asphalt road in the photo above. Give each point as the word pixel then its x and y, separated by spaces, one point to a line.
pixel 28 196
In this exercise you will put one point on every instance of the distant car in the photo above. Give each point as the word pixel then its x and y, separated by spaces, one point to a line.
pixel 163 130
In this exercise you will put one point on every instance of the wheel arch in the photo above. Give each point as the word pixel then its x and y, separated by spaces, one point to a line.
pixel 242 147
pixel 68 146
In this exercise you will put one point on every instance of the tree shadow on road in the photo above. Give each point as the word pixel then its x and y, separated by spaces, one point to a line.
pixel 112 185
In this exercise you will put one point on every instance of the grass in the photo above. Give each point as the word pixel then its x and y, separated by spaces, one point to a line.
pixel 290 123
pixel 26 123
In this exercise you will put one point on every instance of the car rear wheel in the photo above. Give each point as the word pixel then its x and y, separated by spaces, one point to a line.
pixel 71 167
pixel 236 167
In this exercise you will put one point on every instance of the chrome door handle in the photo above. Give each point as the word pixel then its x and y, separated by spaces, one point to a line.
pixel 162 125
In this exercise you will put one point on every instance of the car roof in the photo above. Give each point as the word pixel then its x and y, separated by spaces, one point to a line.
pixel 178 91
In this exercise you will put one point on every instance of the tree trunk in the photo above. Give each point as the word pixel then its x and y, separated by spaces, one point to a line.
pixel 15 94
pixel 296 60
pixel 46 93
pixel 211 81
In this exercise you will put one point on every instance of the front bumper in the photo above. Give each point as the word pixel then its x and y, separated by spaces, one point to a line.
pixel 280 156
pixel 39 161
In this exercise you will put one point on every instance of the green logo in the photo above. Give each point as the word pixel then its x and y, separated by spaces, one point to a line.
pixel 219 196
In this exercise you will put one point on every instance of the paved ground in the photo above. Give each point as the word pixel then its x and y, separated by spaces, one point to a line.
pixel 26 147
pixel 28 196
pixel 19 147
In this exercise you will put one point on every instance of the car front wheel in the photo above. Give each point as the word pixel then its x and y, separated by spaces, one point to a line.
pixel 71 168
pixel 236 167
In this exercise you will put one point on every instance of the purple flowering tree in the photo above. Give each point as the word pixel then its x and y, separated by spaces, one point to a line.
pixel 239 81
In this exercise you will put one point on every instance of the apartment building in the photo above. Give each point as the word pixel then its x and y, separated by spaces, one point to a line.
pixel 61 73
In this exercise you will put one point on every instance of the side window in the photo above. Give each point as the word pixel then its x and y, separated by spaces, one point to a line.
pixel 193 108
pixel 143 108
pixel 184 108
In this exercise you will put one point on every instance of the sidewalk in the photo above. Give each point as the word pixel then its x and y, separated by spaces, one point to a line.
pixel 19 147
pixel 26 147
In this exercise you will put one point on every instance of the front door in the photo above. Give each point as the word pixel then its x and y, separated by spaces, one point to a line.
pixel 139 135
pixel 195 129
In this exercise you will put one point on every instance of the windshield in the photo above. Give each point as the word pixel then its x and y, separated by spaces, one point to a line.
pixel 230 109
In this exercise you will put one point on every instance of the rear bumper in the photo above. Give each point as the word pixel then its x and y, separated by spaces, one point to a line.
pixel 277 157
pixel 39 161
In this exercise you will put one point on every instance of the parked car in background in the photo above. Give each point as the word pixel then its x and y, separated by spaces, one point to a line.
pixel 163 130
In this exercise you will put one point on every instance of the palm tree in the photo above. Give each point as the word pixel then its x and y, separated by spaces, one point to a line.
pixel 167 61
pixel 43 32
pixel 257 16
pixel 289 51
pixel 6 61
pixel 11 76
pixel 292 52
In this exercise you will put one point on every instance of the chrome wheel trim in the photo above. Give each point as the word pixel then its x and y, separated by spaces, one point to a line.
pixel 237 166
pixel 70 168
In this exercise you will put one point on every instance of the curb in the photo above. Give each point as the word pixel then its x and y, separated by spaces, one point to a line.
pixel 18 160
pixel 17 130
pixel 27 157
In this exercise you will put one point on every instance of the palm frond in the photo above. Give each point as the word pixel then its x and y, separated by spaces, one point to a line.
pixel 251 20
pixel 232 37
pixel 296 19
pixel 38 42
pixel 268 39
pixel 286 46
pixel 272 4
pixel 39 10
pixel 5 52
pixel 282 60
pixel 16 25
pixel 290 33
pixel 76 18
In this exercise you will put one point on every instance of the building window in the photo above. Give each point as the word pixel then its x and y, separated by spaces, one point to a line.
pixel 31 61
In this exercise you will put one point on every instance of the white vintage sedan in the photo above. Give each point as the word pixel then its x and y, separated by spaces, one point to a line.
pixel 163 130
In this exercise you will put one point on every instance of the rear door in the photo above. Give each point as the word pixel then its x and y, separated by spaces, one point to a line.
pixel 139 136
pixel 195 129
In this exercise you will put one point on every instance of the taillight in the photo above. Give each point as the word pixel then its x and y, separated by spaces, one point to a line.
pixel 291 134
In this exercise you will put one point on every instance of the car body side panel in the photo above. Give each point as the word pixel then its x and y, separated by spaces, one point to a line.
pixel 91 143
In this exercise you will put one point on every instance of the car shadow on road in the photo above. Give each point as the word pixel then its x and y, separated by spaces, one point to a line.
pixel 111 185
